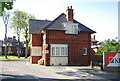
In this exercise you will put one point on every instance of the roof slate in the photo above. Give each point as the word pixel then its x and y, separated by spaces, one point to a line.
pixel 57 24
pixel 35 26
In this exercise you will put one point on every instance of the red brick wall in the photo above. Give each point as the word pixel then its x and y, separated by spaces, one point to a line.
pixel 37 40
pixel 34 59
pixel 76 44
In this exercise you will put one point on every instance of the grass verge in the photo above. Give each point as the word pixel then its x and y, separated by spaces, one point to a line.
pixel 97 67
pixel 11 58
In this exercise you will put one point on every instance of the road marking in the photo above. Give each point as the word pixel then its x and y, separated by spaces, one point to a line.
pixel 9 70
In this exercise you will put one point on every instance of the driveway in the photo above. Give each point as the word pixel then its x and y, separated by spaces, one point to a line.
pixel 25 70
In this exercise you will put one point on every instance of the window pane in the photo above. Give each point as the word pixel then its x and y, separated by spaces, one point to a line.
pixel 84 51
pixel 75 30
pixel 53 50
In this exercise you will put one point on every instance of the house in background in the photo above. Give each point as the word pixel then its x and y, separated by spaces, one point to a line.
pixel 1 45
pixel 12 46
pixel 94 45
pixel 63 41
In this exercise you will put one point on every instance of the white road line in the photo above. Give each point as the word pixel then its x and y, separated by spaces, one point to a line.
pixel 4 70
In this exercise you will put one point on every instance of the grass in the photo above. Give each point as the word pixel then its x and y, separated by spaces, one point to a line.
pixel 97 67
pixel 11 58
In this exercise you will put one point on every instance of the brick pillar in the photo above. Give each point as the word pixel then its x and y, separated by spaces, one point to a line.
pixel 47 55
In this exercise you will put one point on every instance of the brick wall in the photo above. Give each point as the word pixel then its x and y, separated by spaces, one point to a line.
pixel 36 40
pixel 34 59
pixel 75 45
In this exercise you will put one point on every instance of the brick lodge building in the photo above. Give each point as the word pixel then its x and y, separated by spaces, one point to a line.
pixel 63 41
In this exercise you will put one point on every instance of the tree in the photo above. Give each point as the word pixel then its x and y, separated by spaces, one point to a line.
pixel 109 46
pixel 6 16
pixel 25 29
pixel 8 6
pixel 19 22
pixel 5 5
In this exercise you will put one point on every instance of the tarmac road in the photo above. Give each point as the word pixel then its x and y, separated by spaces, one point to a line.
pixel 25 70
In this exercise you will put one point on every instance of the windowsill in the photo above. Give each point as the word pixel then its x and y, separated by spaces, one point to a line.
pixel 84 54
pixel 59 56
pixel 36 55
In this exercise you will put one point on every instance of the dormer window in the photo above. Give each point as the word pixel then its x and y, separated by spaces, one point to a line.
pixel 71 28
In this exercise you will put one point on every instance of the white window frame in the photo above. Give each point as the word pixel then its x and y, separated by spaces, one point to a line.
pixel 59 50
pixel 84 51
pixel 71 28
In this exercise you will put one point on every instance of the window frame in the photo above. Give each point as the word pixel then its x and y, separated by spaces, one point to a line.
pixel 84 51
pixel 36 51
pixel 71 28
pixel 61 48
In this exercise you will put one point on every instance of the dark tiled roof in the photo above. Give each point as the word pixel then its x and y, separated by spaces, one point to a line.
pixel 57 24
pixel 83 28
pixel 35 26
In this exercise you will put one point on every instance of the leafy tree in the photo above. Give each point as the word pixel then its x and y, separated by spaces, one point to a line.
pixel 25 31
pixel 109 46
pixel 5 5
pixel 19 22
pixel 5 15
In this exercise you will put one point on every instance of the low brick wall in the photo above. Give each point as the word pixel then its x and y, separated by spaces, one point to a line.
pixel 34 59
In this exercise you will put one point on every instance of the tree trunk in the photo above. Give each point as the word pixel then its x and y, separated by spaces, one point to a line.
pixel 5 41
pixel 26 49
pixel 5 49
pixel 18 46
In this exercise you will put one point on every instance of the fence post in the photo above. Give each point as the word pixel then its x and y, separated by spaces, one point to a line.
pixel 104 61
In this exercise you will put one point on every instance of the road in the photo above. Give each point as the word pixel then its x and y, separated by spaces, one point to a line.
pixel 25 70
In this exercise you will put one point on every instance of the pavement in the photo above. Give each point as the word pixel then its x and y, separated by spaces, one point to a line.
pixel 25 70
pixel 91 73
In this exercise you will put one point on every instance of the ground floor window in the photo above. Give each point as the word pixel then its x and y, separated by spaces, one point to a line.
pixel 59 50
pixel 36 51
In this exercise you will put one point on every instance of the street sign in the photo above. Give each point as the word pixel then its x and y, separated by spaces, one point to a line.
pixel 113 59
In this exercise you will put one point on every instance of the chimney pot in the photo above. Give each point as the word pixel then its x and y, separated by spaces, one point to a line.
pixel 71 7
pixel 68 7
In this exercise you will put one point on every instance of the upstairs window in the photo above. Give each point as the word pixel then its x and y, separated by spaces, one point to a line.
pixel 71 28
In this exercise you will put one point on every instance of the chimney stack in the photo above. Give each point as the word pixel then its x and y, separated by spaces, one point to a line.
pixel 70 13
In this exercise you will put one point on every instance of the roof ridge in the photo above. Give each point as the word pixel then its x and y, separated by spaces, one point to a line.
pixel 40 20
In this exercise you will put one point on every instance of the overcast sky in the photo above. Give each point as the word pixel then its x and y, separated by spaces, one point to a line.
pixel 99 15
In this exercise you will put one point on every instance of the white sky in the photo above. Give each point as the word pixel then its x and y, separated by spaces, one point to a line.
pixel 101 17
